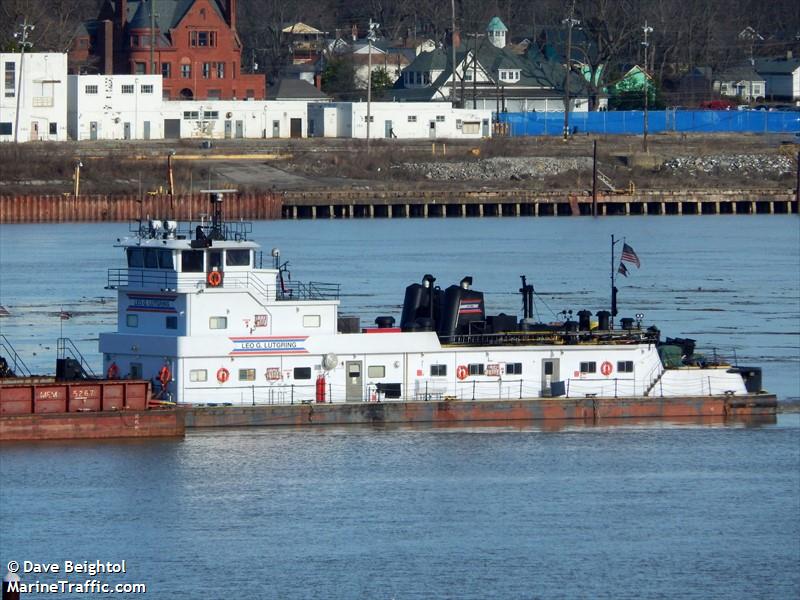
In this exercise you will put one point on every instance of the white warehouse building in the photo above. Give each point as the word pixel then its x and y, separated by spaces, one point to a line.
pixel 403 120
pixel 33 97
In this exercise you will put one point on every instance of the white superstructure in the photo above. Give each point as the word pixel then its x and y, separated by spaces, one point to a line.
pixel 199 316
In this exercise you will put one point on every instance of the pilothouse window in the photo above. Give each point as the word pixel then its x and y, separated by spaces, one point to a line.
pixel 237 258
pixel 135 258
pixel 151 258
pixel 165 260
pixel 192 261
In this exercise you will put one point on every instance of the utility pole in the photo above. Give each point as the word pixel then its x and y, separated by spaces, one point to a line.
pixel 475 73
pixel 453 50
pixel 369 87
pixel 647 30
pixel 22 36
pixel 152 37
pixel 570 22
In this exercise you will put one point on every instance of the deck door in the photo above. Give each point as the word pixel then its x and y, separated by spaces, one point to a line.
pixel 354 387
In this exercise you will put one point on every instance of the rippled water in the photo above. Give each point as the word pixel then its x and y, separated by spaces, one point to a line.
pixel 658 510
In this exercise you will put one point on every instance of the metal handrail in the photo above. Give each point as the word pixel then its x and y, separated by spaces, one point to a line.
pixel 65 347
pixel 19 364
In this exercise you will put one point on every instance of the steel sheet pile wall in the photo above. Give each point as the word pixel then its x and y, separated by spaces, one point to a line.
pixel 59 209
pixel 631 122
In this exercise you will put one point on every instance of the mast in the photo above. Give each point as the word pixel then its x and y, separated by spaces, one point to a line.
pixel 613 281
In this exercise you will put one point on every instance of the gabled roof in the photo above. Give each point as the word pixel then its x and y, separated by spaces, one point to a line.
pixel 294 89
pixel 496 25
pixel 302 29
pixel 777 66
pixel 738 73
pixel 169 13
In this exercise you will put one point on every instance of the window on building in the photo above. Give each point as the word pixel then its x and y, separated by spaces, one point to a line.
pixel 440 118
pixel 186 71
pixel 426 78
pixel 588 367
pixel 371 119
pixel 10 79
pixel 191 115
pixel 250 94
pixel 311 320
pixel 513 368
pixel 220 70
pixel 198 375
pixel 211 115
pixel 476 369
pixel 237 258
pixel 172 322
pixel 412 118
pixel 214 94
pixel 6 128
pixel 247 374
pixel 90 89
pixel 134 41
pixel 625 366
pixel 468 75
pixel 192 261
pixel 206 70
pixel 147 89
pixel 166 70
pixel 473 127
pixel 302 372
pixel 53 128
pixel 140 68
pixel 217 322
pixel 127 89
pixel 438 370
pixel 136 370
pixel 132 320
pixel 376 372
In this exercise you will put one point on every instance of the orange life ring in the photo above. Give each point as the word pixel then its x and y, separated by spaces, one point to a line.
pixel 164 376
pixel 606 368
pixel 214 279
pixel 222 375
pixel 113 371
pixel 462 372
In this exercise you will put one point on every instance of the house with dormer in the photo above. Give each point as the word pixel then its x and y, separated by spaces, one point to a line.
pixel 192 44
pixel 490 74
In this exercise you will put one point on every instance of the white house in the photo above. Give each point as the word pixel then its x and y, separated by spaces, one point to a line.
pixel 230 119
pixel 403 120
pixel 741 82
pixel 33 97
pixel 782 76
pixel 115 107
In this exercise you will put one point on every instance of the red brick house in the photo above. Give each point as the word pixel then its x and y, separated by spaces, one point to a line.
pixel 196 50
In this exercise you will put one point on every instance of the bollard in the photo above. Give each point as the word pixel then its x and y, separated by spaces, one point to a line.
pixel 7 593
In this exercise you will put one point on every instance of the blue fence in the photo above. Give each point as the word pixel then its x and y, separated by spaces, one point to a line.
pixel 632 122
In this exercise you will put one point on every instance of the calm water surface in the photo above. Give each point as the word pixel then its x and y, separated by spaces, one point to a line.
pixel 633 510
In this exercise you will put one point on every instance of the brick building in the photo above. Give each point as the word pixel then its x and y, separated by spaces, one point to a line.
pixel 196 50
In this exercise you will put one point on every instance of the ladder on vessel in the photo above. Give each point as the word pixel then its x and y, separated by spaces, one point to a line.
pixel 72 363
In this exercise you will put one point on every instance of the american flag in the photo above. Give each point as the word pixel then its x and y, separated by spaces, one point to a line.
pixel 64 315
pixel 623 270
pixel 628 255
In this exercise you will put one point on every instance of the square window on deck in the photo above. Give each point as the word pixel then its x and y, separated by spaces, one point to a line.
pixel 376 371
pixel 132 320
pixel 247 374
pixel 513 368
pixel 192 261
pixel 218 322
pixel 198 375
pixel 302 372
pixel 588 367
pixel 311 320
pixel 476 369
pixel 438 370
pixel 172 322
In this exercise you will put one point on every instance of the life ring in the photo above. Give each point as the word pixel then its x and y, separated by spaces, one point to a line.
pixel 222 375
pixel 113 371
pixel 462 372
pixel 606 368
pixel 214 279
pixel 164 376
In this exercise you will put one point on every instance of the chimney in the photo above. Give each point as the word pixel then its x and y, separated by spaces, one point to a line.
pixel 122 13
pixel 318 81
pixel 232 14
pixel 108 48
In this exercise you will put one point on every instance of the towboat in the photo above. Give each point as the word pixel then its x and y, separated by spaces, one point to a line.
pixel 202 318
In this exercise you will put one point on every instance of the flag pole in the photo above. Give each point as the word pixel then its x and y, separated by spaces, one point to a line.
pixel 613 283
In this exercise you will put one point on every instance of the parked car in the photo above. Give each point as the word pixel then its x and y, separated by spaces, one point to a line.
pixel 718 105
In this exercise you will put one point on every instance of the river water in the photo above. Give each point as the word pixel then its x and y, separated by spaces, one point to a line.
pixel 691 509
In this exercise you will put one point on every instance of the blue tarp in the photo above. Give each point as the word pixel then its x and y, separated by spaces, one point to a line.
pixel 632 122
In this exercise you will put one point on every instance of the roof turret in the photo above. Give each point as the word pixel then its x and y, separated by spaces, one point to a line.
pixel 141 20
pixel 496 25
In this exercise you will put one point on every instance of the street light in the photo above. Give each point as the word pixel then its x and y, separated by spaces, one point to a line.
pixel 570 22
pixel 22 36
pixel 647 30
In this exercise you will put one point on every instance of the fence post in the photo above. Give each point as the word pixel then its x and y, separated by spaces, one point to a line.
pixel 473 389
pixel 520 389
pixel 292 396
pixel 253 387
